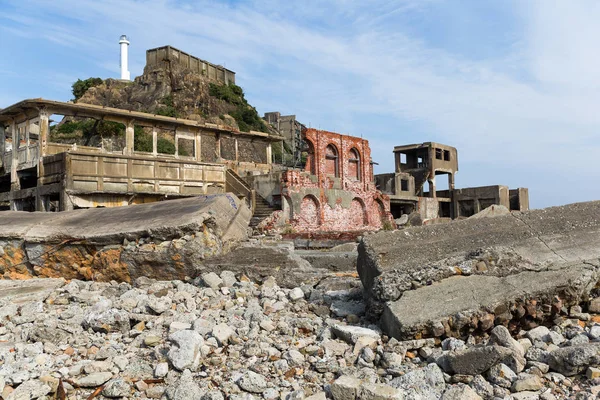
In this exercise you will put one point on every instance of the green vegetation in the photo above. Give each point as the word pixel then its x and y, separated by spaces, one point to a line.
pixel 142 141
pixel 244 114
pixel 167 109
pixel 80 87
pixel 85 129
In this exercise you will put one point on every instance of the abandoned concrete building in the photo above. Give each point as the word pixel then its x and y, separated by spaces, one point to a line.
pixel 333 192
pixel 291 129
pixel 171 55
pixel 37 174
pixel 412 188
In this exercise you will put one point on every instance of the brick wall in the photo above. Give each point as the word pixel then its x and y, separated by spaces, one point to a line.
pixel 336 191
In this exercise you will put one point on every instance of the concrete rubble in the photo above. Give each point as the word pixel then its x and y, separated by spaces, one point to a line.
pixel 162 240
pixel 520 270
pixel 237 339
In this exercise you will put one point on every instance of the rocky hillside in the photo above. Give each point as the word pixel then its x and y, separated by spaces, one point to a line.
pixel 175 91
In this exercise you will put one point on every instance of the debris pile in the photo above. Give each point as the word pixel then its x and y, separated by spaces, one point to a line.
pixel 223 336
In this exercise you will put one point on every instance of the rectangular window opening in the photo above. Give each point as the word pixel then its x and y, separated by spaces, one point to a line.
pixel 446 155
pixel 438 154
pixel 404 185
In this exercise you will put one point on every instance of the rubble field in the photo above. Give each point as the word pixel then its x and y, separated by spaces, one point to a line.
pixel 222 336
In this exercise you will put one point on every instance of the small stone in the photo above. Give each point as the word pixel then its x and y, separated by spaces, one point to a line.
pixel 592 373
pixel 222 333
pixel 152 340
pixel 501 375
pixel 346 387
pixel 527 382
pixel 186 352
pixel 116 388
pixel 252 382
pixel 94 380
pixel 351 334
pixel 212 280
pixel 161 370
pixel 296 294
pixel 460 392
pixel 539 334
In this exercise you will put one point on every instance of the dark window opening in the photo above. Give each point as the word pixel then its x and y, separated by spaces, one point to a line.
pixel 466 208
pixel 444 211
pixel 354 165
pixel 438 154
pixel 446 155
pixel 404 185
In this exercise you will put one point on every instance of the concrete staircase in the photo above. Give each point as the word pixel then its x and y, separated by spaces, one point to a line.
pixel 238 185
pixel 262 210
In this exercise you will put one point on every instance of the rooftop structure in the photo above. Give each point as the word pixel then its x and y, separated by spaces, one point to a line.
pixel 169 54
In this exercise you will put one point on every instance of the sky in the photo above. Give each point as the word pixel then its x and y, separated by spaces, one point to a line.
pixel 514 85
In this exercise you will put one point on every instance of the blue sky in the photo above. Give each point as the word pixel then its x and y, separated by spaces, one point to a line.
pixel 512 84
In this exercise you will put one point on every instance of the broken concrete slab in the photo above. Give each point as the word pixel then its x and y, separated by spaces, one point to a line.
pixel 478 295
pixel 33 290
pixel 472 267
pixel 163 220
pixel 163 240
pixel 260 261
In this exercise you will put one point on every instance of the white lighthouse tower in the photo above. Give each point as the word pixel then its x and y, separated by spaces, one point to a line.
pixel 124 42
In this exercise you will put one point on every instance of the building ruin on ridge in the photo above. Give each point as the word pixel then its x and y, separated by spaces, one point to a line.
pixel 37 174
pixel 412 188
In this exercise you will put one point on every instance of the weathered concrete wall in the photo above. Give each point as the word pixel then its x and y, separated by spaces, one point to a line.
pixel 163 240
pixel 555 251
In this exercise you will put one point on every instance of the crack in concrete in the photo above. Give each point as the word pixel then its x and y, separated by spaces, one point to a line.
pixel 538 237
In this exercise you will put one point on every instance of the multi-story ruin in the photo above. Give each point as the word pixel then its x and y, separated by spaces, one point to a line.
pixel 291 129
pixel 37 174
pixel 413 186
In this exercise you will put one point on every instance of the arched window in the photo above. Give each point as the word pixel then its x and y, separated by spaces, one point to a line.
pixel 354 165
pixel 331 161
pixel 308 156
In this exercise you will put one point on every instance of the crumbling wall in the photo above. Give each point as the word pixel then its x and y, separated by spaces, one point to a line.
pixel 336 191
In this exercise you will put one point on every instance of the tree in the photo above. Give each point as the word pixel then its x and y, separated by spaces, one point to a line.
pixel 80 87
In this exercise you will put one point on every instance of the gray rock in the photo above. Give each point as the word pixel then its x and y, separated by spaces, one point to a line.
pixel 573 360
pixel 31 389
pixel 345 388
pixel 222 333
pixel 101 317
pixel 460 392
pixel 474 360
pixel 527 382
pixel 294 358
pixel 482 387
pixel 296 294
pixel 539 334
pixel 252 382
pixel 161 370
pixel 116 388
pixel 228 278
pixel 345 308
pixel 351 334
pixel 94 380
pixel 184 389
pixel 212 280
pixel 186 352
pixel 501 375
pixel 426 383
pixel 377 391
pixel 159 305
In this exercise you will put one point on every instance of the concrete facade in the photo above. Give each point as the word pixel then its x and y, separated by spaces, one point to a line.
pixel 169 54
pixel 336 190
pixel 291 130
pixel 38 175
pixel 412 188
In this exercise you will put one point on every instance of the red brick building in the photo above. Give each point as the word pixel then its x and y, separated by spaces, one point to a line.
pixel 336 191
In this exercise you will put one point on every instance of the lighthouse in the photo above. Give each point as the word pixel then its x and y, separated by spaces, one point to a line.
pixel 124 42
